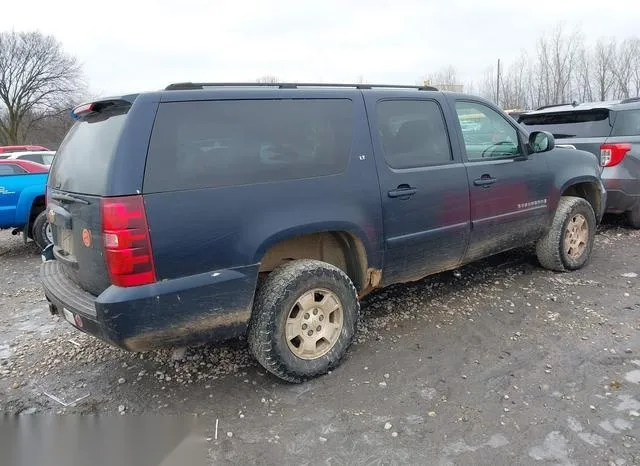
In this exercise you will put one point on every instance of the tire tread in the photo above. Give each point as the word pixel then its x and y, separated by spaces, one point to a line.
pixel 262 327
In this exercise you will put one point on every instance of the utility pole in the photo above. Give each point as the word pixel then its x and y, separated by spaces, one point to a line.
pixel 498 85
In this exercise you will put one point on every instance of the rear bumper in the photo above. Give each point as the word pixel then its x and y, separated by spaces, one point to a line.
pixel 622 194
pixel 213 306
pixel 623 187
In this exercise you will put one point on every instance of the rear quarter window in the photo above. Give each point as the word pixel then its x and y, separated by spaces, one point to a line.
pixel 578 124
pixel 627 123
pixel 207 144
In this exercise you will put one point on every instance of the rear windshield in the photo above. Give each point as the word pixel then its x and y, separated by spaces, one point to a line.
pixel 627 123
pixel 579 124
pixel 223 143
pixel 82 161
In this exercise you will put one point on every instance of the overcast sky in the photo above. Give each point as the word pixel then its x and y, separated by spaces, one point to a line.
pixel 130 46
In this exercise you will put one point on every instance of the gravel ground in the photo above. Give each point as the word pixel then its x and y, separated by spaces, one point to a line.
pixel 500 362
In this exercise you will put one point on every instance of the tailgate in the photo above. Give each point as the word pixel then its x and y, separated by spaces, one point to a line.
pixel 77 239
pixel 77 184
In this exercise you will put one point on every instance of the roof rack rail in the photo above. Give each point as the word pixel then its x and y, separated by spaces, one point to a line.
pixel 631 99
pixel 190 85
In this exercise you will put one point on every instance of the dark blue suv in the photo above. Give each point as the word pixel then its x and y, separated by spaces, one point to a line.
pixel 206 211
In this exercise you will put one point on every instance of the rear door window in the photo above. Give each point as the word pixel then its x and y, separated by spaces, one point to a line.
pixel 223 143
pixel 82 162
pixel 578 124
pixel 413 133
pixel 627 123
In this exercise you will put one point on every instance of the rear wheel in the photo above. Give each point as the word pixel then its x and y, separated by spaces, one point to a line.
pixel 569 242
pixel 41 231
pixel 633 217
pixel 304 320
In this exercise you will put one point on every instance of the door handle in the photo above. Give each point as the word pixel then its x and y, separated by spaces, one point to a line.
pixel 402 191
pixel 485 181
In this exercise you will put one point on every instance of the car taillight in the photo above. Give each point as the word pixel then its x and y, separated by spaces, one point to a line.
pixel 126 240
pixel 612 154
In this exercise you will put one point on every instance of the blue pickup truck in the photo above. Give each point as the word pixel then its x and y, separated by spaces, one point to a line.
pixel 22 200
pixel 207 211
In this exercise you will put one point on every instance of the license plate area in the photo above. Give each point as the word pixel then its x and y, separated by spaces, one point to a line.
pixel 65 241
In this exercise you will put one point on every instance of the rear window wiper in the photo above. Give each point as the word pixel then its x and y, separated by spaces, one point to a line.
pixel 68 198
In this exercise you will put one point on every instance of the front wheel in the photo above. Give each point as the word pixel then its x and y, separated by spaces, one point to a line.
pixel 304 320
pixel 569 242
pixel 41 230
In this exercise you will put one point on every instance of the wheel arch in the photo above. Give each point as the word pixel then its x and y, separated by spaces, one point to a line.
pixel 341 246
pixel 588 188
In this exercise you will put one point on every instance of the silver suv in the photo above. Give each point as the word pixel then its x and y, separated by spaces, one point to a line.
pixel 611 131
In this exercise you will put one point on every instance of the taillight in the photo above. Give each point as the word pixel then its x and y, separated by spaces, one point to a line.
pixel 127 245
pixel 612 154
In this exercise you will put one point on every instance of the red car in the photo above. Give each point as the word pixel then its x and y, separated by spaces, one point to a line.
pixel 20 167
pixel 7 149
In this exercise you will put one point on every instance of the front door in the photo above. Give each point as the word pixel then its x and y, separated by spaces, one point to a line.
pixel 509 188
pixel 425 196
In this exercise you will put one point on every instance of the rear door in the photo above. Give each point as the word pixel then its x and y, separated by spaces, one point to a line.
pixel 509 189
pixel 12 180
pixel 424 191
pixel 77 181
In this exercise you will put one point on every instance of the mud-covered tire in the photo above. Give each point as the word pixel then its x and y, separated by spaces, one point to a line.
pixel 633 217
pixel 551 249
pixel 39 230
pixel 275 299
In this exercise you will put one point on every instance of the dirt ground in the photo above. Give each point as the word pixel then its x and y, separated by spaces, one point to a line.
pixel 500 362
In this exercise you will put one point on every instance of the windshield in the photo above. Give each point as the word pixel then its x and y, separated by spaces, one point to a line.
pixel 578 124
pixel 81 163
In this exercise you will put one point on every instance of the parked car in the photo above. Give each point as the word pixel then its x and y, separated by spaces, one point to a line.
pixel 611 131
pixel 41 157
pixel 204 212
pixel 9 149
pixel 22 200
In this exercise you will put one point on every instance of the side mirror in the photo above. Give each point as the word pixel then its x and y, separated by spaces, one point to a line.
pixel 541 141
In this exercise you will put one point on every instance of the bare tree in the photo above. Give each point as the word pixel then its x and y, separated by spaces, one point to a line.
pixel 627 69
pixel 445 79
pixel 487 87
pixel 563 69
pixel 513 85
pixel 626 62
pixel 584 77
pixel 37 80
pixel 603 62
pixel 268 79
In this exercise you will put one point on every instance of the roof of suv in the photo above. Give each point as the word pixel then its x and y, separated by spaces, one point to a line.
pixel 196 91
pixel 204 91
pixel 625 104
